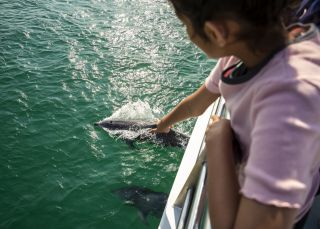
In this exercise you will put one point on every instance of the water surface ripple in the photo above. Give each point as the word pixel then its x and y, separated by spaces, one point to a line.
pixel 65 65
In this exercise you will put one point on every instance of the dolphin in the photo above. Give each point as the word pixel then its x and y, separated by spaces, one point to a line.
pixel 126 125
pixel 142 130
pixel 144 199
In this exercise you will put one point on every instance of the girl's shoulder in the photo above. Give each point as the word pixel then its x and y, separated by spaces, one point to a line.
pixel 300 59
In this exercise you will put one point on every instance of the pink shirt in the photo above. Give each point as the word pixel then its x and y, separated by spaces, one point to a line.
pixel 276 118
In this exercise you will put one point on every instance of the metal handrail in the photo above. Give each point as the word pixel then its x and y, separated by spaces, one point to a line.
pixel 197 207
pixel 185 209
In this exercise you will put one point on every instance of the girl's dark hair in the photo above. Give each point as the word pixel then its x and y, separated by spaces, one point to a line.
pixel 260 21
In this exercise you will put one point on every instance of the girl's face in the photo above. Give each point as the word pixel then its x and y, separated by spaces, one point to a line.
pixel 211 49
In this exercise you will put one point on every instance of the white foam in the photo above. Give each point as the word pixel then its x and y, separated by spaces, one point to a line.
pixel 134 111
pixel 139 110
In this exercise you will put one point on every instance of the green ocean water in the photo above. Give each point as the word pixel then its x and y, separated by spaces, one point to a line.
pixel 65 64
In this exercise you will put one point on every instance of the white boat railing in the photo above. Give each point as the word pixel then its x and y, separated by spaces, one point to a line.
pixel 186 206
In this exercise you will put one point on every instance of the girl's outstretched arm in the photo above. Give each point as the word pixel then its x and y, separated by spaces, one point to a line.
pixel 192 106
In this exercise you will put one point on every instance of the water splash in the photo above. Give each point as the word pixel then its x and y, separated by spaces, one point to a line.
pixel 134 111
pixel 138 110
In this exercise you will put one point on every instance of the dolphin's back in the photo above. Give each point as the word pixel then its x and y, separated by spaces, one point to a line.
pixel 126 125
pixel 172 138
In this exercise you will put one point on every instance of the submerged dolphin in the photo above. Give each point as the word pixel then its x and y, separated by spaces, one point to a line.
pixel 145 200
pixel 172 138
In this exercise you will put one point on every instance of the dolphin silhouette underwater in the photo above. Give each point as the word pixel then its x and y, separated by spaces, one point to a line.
pixel 147 202
pixel 142 130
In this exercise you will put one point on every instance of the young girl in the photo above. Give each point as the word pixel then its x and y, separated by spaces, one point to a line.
pixel 269 77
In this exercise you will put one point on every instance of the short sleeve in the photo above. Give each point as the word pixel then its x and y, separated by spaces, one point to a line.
pixel 212 81
pixel 285 145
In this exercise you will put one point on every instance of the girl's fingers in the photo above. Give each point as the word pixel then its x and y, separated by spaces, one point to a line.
pixel 152 131
pixel 214 119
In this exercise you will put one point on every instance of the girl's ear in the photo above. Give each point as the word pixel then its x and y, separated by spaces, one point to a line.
pixel 216 32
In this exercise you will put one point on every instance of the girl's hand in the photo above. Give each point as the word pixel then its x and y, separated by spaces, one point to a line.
pixel 218 128
pixel 161 128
